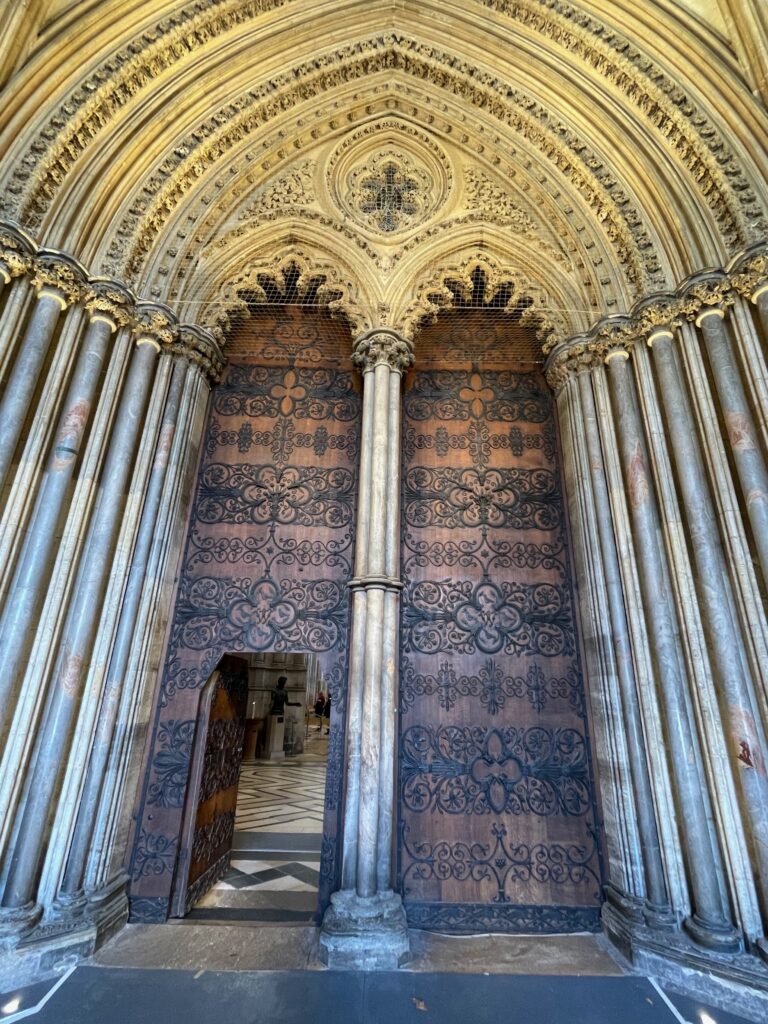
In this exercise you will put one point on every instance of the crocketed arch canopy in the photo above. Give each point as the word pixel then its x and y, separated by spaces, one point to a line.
pixel 585 152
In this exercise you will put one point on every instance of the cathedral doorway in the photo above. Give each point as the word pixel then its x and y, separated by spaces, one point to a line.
pixel 253 819
pixel 263 577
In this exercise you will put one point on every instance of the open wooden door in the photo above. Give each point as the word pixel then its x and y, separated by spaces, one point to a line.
pixel 209 812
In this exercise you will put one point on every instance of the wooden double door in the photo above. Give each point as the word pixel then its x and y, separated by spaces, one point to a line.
pixel 497 811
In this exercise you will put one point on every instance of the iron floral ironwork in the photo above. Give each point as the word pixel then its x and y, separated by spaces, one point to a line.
pixel 462 616
pixel 523 499
pixel 471 770
pixel 492 687
pixel 502 862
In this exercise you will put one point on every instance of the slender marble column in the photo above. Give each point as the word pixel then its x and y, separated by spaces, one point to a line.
pixel 370 741
pixel 365 925
pixel 110 701
pixel 657 911
pixel 79 631
pixel 760 298
pixel 744 736
pixel 54 294
pixel 28 586
pixel 740 428
pixel 105 870
pixel 390 647
pixel 357 638
pixel 709 924
pixel 15 308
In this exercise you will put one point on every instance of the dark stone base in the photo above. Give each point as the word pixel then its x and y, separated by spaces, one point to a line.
pixel 74 928
pixel 737 982
pixel 365 934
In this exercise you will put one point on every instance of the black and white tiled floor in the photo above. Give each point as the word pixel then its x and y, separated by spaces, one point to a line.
pixel 274 870
pixel 281 796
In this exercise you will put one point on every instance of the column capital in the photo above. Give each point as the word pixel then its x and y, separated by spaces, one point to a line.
pixel 382 345
pixel 569 360
pixel 58 275
pixel 703 292
pixel 15 254
pixel 109 300
pixel 200 347
pixel 155 324
pixel 614 338
pixel 749 276
pixel 659 314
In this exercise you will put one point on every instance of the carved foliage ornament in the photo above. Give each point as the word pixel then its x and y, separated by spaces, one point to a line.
pixel 622 222
pixel 382 347
pixel 710 290
pixel 113 84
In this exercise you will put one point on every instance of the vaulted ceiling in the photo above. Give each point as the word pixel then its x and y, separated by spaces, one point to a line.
pixel 585 152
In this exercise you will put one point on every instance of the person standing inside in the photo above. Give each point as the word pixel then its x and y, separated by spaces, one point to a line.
pixel 280 698
pixel 319 710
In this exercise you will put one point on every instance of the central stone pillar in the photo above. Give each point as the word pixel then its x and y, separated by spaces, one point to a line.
pixel 365 926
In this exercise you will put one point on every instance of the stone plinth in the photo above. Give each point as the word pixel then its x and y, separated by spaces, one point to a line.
pixel 364 933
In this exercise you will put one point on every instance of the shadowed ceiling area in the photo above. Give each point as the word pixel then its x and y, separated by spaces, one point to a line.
pixel 581 154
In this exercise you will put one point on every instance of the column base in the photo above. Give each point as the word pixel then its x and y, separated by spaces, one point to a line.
pixel 365 933
pixel 16 923
pixel 717 937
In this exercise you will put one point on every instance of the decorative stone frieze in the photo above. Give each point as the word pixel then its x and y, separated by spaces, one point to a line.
pixel 654 94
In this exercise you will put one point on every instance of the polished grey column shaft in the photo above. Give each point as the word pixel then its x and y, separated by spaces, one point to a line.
pixel 25 374
pixel 710 923
pixel 745 739
pixel 370 740
pixel 79 630
pixel 357 642
pixel 656 889
pixel 388 737
pixel 21 294
pixel 29 583
pixel 121 650
pixel 740 428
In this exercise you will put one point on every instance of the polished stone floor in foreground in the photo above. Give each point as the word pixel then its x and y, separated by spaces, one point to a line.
pixel 160 974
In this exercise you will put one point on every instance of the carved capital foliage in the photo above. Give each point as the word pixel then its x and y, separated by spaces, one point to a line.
pixel 157 322
pixel 382 345
pixel 751 273
pixel 15 253
pixel 655 312
pixel 705 293
pixel 200 348
pixel 574 358
pixel 60 273
pixel 110 299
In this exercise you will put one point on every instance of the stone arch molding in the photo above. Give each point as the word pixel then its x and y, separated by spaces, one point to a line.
pixel 407 300
pixel 566 134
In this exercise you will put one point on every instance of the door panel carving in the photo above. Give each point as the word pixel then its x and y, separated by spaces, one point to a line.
pixel 209 813
pixel 497 825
